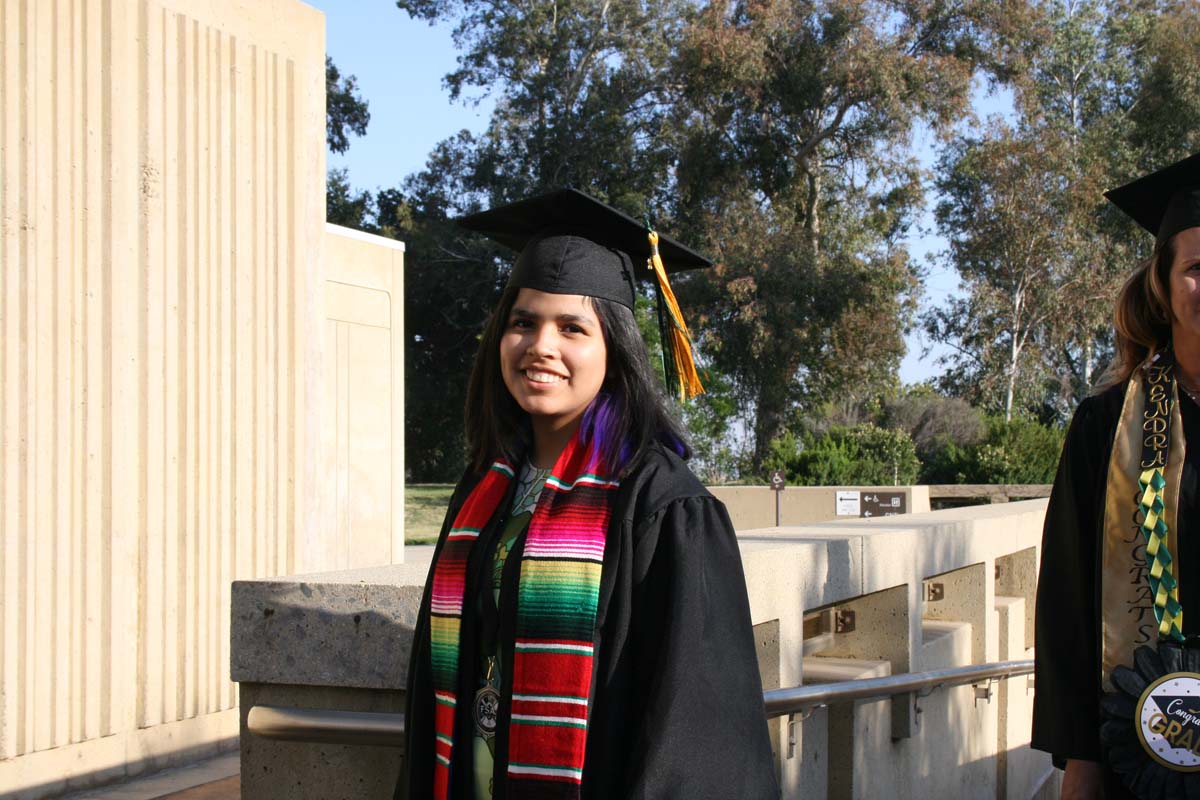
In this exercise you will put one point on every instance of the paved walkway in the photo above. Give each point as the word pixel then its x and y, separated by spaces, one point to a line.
pixel 215 779
pixel 227 789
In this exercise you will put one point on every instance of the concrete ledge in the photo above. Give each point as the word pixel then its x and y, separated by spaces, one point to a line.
pixel 348 629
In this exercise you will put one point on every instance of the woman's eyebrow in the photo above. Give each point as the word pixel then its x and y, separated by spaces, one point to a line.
pixel 576 318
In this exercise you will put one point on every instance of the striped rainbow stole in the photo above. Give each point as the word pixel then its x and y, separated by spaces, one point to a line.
pixel 556 618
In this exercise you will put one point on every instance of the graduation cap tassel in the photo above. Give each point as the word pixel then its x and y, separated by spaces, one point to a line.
pixel 678 361
pixel 670 376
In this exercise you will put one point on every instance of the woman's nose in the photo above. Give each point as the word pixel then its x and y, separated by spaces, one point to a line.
pixel 543 341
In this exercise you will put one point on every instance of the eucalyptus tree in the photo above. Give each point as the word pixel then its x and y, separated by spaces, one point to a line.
pixel 999 210
pixel 796 166
pixel 1103 91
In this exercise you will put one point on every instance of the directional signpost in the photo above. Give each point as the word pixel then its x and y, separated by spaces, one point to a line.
pixel 870 503
pixel 777 484
pixel 883 504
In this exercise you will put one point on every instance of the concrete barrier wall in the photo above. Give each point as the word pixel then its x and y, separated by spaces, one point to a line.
pixel 926 591
pixel 162 209
pixel 984 562
pixel 755 506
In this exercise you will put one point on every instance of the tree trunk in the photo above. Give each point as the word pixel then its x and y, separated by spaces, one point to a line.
pixel 1089 355
pixel 1008 395
pixel 812 222
pixel 769 422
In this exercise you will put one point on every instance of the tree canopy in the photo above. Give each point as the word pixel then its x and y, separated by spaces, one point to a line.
pixel 1041 253
pixel 778 137
pixel 346 111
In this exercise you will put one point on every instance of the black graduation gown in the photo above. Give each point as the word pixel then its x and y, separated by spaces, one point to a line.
pixel 1066 711
pixel 677 708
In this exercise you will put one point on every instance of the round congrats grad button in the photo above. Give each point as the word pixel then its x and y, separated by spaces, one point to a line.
pixel 1168 721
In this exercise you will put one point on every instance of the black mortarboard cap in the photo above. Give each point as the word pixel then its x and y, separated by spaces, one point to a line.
pixel 570 243
pixel 1163 202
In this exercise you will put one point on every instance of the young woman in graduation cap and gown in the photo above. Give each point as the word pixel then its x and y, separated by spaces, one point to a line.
pixel 1121 546
pixel 585 630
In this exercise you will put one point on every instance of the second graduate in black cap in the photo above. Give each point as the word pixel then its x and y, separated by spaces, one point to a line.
pixel 585 631
pixel 1119 589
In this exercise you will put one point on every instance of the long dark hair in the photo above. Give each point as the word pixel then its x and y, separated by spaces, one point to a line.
pixel 626 418
pixel 1143 316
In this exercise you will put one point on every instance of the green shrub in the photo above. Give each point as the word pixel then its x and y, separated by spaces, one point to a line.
pixel 1020 451
pixel 948 463
pixel 934 421
pixel 846 456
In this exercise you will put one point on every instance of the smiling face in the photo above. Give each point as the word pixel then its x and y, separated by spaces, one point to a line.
pixel 1185 289
pixel 553 357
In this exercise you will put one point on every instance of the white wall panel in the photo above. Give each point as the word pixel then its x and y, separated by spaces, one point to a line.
pixel 364 401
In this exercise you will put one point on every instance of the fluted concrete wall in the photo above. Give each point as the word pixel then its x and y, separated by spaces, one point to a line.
pixel 161 201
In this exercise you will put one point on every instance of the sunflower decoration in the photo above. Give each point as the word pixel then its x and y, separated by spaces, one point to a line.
pixel 1151 722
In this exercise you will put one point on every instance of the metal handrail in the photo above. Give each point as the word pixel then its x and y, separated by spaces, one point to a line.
pixel 327 727
pixel 802 698
pixel 387 730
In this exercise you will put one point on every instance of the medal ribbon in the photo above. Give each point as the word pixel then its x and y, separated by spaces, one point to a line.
pixel 1152 483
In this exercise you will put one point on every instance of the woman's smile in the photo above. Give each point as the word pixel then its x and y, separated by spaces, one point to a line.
pixel 543 377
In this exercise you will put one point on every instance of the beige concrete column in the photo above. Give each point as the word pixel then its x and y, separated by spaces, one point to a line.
pixel 161 210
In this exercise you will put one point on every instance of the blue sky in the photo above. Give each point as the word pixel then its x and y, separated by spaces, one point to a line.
pixel 399 64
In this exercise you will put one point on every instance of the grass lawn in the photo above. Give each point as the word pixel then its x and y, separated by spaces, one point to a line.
pixel 424 507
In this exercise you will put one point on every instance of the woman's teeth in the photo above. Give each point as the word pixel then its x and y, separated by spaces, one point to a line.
pixel 542 377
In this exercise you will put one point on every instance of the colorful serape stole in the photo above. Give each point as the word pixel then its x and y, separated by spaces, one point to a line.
pixel 445 611
pixel 556 619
